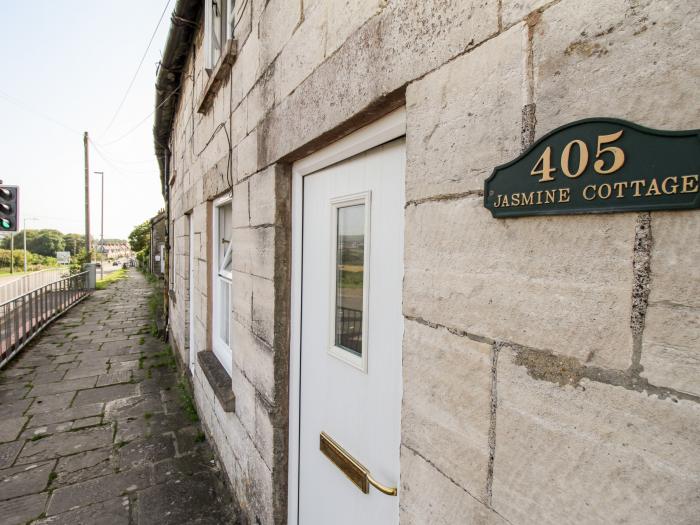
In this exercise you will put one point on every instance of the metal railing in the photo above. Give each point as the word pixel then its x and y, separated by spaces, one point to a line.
pixel 14 287
pixel 24 317
pixel 348 328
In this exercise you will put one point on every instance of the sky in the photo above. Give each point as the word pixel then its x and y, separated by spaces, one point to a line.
pixel 66 66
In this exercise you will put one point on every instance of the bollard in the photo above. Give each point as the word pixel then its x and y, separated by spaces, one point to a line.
pixel 91 268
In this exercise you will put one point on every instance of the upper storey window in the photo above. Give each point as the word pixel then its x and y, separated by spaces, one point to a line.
pixel 218 28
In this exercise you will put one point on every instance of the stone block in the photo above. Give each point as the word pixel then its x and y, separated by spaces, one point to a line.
pixel 14 408
pixel 23 480
pixel 453 142
pixel 68 414
pixel 8 452
pixel 277 23
pixel 242 297
pixel 599 58
pixel 428 496
pixel 92 367
pixel 306 49
pixel 447 403
pixel 20 511
pixel 83 466
pixel 52 402
pixel 241 215
pixel 219 179
pixel 182 502
pixel 111 512
pixel 671 347
pixel 65 444
pixel 246 69
pixel 255 359
pixel 675 274
pixel 593 453
pixel 259 100
pixel 97 490
pixel 114 378
pixel 263 197
pixel 239 123
pixel 11 427
pixel 255 251
pixel 264 433
pixel 512 11
pixel 263 314
pixel 134 406
pixel 344 18
pixel 671 338
pixel 100 395
pixel 524 280
pixel 245 399
pixel 243 21
pixel 259 490
pixel 248 155
pixel 399 45
pixel 145 452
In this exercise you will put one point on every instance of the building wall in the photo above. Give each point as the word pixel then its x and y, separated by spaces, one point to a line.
pixel 551 364
pixel 158 239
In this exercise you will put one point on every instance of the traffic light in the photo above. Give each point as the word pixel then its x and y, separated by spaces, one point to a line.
pixel 9 203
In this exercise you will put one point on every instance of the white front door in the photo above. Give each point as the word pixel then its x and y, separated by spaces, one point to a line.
pixel 350 342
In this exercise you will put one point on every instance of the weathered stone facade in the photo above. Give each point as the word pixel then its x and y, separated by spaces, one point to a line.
pixel 551 365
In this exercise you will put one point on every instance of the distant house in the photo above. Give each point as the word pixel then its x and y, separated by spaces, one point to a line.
pixel 115 250
pixel 158 244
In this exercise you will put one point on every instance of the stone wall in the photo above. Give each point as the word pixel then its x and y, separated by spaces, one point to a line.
pixel 558 357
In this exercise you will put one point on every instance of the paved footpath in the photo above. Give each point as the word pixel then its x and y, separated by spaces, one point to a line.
pixel 95 427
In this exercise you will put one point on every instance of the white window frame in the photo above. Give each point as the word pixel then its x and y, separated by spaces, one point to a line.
pixel 344 354
pixel 221 349
pixel 223 22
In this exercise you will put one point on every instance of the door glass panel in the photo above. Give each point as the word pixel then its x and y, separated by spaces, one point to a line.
pixel 349 278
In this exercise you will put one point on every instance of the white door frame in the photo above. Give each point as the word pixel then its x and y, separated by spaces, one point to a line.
pixel 389 127
pixel 190 287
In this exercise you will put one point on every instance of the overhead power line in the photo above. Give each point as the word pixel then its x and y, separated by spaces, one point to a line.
pixel 120 170
pixel 141 122
pixel 133 79
pixel 26 107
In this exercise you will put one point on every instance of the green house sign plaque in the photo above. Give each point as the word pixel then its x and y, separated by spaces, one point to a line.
pixel 599 165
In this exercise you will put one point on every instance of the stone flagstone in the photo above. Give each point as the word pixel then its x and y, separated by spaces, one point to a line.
pixel 93 429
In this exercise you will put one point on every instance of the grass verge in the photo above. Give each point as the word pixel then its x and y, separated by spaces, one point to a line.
pixel 113 277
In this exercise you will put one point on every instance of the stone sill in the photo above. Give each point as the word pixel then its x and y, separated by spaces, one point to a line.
pixel 218 378
pixel 217 76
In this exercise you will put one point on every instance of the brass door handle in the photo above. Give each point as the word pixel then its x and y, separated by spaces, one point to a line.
pixel 353 469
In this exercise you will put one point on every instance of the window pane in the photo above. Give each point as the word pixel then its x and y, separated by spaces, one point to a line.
pixel 349 278
pixel 225 216
pixel 224 310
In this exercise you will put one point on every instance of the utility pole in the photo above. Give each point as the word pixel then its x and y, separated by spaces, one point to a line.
pixel 87 195
pixel 24 233
pixel 102 223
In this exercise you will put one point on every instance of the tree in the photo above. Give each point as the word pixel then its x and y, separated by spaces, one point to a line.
pixel 74 242
pixel 19 238
pixel 46 242
pixel 140 237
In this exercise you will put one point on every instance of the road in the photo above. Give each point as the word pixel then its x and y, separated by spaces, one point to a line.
pixel 109 268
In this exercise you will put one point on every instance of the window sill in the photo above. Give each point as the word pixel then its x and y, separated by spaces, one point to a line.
pixel 218 378
pixel 217 76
